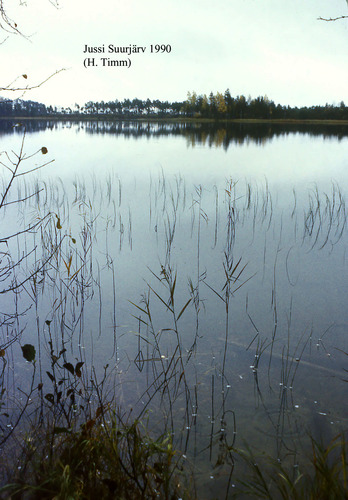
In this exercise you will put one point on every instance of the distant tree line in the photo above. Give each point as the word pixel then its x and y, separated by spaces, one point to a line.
pixel 114 109
pixel 216 106
pixel 22 108
pixel 225 106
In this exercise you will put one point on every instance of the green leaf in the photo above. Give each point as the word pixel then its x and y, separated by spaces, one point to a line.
pixel 69 367
pixel 49 397
pixel 183 309
pixel 50 376
pixel 138 307
pixel 60 430
pixel 29 352
pixel 78 368
pixel 160 298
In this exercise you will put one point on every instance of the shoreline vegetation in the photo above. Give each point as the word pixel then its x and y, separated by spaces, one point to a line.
pixel 272 121
pixel 219 107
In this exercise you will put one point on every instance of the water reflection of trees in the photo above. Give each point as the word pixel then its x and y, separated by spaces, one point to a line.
pixel 195 133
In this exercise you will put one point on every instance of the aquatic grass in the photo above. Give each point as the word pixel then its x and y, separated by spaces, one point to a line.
pixel 322 477
pixel 17 272
pixel 325 219
pixel 194 288
pixel 106 458
pixel 290 359
pixel 163 349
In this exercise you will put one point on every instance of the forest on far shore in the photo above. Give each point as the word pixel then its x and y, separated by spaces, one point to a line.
pixel 214 106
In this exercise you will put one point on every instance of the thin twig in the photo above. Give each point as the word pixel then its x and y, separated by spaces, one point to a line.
pixel 24 89
pixel 332 18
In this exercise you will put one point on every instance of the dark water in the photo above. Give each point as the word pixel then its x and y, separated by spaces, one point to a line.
pixel 209 271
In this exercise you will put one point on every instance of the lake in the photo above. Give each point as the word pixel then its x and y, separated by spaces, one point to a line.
pixel 205 265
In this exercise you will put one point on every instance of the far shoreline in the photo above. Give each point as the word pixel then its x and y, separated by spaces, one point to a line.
pixel 224 121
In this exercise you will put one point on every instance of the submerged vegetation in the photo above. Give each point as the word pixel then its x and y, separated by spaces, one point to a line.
pixel 106 458
pixel 323 478
pixel 135 363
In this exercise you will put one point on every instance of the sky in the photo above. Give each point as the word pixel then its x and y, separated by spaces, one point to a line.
pixel 253 47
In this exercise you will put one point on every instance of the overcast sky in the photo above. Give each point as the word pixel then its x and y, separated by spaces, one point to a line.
pixel 253 47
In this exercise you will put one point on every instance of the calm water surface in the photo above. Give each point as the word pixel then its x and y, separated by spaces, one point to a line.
pixel 211 272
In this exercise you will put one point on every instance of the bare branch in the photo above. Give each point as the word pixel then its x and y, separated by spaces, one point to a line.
pixel 34 273
pixel 6 23
pixel 55 3
pixel 21 200
pixel 9 25
pixel 332 18
pixel 29 87
pixel 33 169
pixel 27 229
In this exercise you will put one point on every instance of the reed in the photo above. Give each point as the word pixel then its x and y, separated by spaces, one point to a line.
pixel 323 476
pixel 107 458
